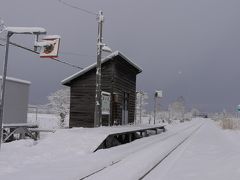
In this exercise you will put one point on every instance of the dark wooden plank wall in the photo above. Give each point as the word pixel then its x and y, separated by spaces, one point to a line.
pixel 83 91
pixel 107 80
pixel 124 81
pixel 83 101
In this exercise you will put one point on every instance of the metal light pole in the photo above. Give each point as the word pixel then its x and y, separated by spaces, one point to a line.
pixel 135 112
pixel 9 34
pixel 98 100
pixel 157 95
pixel 155 106
pixel 141 96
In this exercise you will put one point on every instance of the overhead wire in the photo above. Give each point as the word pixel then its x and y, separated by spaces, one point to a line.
pixel 75 54
pixel 28 49
pixel 78 8
pixel 56 59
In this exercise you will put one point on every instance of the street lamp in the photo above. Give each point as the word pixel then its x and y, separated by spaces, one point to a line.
pixel 11 31
pixel 26 30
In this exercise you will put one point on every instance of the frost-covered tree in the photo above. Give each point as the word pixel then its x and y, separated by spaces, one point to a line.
pixel 177 109
pixel 195 112
pixel 162 116
pixel 141 102
pixel 59 101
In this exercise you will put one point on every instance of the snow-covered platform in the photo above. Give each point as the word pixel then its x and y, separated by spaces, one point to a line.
pixel 212 153
pixel 91 139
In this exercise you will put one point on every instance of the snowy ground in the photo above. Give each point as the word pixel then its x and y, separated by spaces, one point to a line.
pixel 212 153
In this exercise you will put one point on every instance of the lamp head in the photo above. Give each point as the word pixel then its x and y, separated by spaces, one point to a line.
pixel 105 48
pixel 26 30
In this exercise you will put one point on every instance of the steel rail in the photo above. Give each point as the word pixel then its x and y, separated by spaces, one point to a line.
pixel 170 152
pixel 142 147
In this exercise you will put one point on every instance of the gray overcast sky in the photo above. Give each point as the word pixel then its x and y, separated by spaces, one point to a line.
pixel 188 48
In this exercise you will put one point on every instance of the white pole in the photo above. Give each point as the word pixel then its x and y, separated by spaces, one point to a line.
pixel 3 86
pixel 135 113
pixel 155 104
pixel 141 94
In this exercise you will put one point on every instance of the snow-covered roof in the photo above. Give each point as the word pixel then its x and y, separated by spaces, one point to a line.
pixel 114 54
pixel 26 30
pixel 16 80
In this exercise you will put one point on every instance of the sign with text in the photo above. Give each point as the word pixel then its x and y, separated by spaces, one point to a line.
pixel 106 99
pixel 158 94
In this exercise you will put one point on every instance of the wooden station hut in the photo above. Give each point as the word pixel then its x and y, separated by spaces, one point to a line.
pixel 118 79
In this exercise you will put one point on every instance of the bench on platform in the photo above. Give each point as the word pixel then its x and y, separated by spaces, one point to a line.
pixel 22 130
pixel 115 139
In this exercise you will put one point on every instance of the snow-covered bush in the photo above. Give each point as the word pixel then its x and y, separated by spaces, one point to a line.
pixel 230 123
pixel 227 123
pixel 226 120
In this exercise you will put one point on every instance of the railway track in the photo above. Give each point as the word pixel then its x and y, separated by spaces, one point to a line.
pixel 169 153
pixel 147 145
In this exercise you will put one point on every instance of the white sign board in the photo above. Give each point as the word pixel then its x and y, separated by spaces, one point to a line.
pixel 106 99
pixel 50 50
pixel 158 94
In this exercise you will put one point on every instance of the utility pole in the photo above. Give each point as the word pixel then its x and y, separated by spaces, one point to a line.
pixel 98 100
pixel 9 34
pixel 157 95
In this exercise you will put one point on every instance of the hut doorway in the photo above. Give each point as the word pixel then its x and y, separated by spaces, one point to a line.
pixel 125 108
